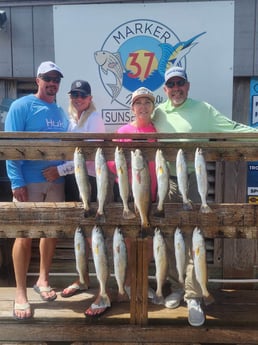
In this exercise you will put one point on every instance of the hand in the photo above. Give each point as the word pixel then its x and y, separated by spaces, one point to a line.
pixel 51 174
pixel 20 194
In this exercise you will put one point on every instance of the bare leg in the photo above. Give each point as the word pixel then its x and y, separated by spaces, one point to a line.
pixel 21 258
pixel 47 248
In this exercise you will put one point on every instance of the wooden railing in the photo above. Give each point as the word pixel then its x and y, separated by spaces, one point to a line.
pixel 228 220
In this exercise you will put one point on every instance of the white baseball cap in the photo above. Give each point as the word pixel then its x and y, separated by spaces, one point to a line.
pixel 48 66
pixel 175 71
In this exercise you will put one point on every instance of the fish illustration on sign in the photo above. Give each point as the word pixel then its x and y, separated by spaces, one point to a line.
pixel 172 55
pixel 111 62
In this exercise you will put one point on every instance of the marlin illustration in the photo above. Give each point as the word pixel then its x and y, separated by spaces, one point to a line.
pixel 111 62
pixel 174 54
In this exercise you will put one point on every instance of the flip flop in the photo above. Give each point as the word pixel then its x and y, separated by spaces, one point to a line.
pixel 74 289
pixel 95 310
pixel 21 307
pixel 41 289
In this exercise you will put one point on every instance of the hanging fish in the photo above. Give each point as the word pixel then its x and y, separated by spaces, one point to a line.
pixel 82 179
pixel 202 179
pixel 100 259
pixel 200 265
pixel 161 264
pixel 123 181
pixel 102 182
pixel 81 256
pixel 179 245
pixel 162 174
pixel 120 260
pixel 182 179
pixel 141 186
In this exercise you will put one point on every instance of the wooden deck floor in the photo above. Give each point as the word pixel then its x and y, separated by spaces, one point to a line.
pixel 232 319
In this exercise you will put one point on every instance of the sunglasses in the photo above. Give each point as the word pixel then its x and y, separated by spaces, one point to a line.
pixel 47 79
pixel 171 83
pixel 77 94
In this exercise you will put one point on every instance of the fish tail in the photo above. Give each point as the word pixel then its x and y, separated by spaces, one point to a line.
pixel 187 205
pixel 159 213
pixel 105 300
pixel 128 214
pixel 157 299
pixel 205 209
pixel 100 217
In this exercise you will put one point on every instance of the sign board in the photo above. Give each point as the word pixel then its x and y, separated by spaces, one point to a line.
pixel 120 47
pixel 252 172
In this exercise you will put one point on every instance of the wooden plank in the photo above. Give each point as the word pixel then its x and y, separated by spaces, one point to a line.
pixel 233 316
pixel 239 260
pixel 59 220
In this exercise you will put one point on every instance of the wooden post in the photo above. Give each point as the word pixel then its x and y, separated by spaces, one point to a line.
pixel 139 282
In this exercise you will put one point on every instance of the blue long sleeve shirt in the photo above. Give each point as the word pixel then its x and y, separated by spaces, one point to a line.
pixel 31 114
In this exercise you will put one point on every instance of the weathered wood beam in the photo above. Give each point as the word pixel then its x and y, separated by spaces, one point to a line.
pixel 60 220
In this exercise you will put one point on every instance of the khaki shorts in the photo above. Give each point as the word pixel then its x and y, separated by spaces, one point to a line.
pixel 46 191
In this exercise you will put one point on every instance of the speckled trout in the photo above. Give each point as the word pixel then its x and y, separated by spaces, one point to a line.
pixel 200 265
pixel 120 260
pixel 182 179
pixel 123 181
pixel 162 174
pixel 99 253
pixel 81 256
pixel 161 264
pixel 202 179
pixel 179 245
pixel 82 179
pixel 141 186
pixel 102 182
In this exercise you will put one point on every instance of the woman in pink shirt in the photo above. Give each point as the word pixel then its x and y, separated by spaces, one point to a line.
pixel 142 107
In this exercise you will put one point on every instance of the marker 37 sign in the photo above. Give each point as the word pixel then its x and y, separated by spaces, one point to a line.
pixel 136 54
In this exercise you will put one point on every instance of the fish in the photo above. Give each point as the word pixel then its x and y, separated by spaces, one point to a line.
pixel 82 179
pixel 202 179
pixel 100 259
pixel 141 186
pixel 182 179
pixel 111 62
pixel 120 260
pixel 123 181
pixel 81 256
pixel 162 174
pixel 161 264
pixel 172 55
pixel 179 245
pixel 102 182
pixel 200 265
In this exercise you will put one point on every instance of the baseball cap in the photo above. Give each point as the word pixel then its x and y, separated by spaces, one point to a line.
pixel 142 92
pixel 81 86
pixel 175 71
pixel 48 66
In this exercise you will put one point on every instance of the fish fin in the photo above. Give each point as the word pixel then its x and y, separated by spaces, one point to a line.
pixel 205 209
pixel 128 214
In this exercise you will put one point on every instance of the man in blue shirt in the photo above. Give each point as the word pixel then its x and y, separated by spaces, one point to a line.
pixel 35 113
